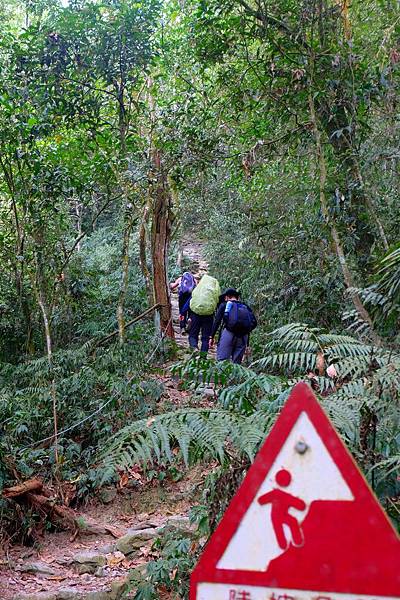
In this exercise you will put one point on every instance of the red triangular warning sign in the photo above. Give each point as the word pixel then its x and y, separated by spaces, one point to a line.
pixel 304 524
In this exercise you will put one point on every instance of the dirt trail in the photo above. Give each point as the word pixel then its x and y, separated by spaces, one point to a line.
pixel 95 567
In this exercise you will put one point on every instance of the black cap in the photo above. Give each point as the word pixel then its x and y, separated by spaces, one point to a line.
pixel 229 292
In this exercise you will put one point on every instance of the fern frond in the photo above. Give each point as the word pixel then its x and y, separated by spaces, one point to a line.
pixel 196 433
pixel 288 360
pixel 247 394
pixel 345 415
pixel 388 274
pixel 391 465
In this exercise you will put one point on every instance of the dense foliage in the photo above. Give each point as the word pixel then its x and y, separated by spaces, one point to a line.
pixel 267 131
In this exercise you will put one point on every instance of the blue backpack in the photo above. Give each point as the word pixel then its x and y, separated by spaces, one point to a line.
pixel 187 284
pixel 239 318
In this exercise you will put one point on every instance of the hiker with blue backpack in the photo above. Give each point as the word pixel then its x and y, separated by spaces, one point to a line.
pixel 235 320
pixel 185 284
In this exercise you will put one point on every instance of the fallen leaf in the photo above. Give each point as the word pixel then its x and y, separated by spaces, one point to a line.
pixel 123 480
pixel 115 559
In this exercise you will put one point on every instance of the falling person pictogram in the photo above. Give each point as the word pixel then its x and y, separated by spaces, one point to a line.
pixel 281 502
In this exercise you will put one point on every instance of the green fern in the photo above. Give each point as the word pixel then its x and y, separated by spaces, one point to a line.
pixel 240 388
pixel 390 465
pixel 388 277
pixel 383 296
pixel 294 348
pixel 196 433
pixel 362 401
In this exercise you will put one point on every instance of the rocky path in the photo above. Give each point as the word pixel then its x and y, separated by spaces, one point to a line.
pixel 96 567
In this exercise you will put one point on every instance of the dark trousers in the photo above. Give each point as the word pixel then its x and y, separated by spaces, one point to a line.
pixel 203 324
pixel 182 299
pixel 231 347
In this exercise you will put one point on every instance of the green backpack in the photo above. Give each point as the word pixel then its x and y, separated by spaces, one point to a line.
pixel 205 296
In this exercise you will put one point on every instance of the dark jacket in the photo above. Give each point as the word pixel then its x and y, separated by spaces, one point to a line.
pixel 219 318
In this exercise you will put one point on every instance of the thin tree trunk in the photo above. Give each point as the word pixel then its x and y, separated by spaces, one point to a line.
pixel 78 213
pixel 40 294
pixel 344 9
pixel 161 212
pixel 370 205
pixel 143 239
pixel 128 223
pixel 128 324
pixel 347 275
pixel 128 216
pixel 46 323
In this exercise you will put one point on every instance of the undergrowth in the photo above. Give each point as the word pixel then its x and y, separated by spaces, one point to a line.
pixel 362 399
pixel 98 390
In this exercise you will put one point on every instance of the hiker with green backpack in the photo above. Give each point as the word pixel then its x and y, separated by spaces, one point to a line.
pixel 203 303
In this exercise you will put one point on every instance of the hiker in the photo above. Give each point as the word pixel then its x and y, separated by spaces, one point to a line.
pixel 203 303
pixel 185 284
pixel 235 320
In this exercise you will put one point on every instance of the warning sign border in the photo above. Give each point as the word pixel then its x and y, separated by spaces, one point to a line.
pixel 301 400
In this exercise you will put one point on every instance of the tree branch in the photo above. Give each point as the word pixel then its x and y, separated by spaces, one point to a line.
pixel 84 233
pixel 128 324
pixel 91 87
pixel 270 20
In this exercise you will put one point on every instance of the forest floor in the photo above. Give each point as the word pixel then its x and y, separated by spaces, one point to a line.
pixel 61 566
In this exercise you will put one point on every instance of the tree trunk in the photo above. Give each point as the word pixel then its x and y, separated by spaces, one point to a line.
pixel 143 239
pixel 161 213
pixel 370 205
pixel 46 324
pixel 128 222
pixel 128 210
pixel 30 485
pixel 78 213
pixel 39 287
pixel 347 275
pixel 161 232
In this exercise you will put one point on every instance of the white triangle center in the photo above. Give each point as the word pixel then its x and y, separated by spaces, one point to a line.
pixel 314 476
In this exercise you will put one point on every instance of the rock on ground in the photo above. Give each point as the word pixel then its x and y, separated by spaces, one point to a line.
pixel 112 592
pixel 134 539
pixel 88 562
pixel 37 567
